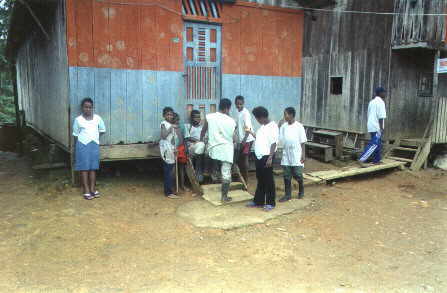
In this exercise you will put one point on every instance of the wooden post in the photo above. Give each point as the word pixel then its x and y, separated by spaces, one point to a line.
pixel 338 140
pixel 17 108
pixel 436 76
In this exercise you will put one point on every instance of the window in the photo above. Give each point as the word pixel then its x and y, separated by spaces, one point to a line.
pixel 336 85
pixel 425 85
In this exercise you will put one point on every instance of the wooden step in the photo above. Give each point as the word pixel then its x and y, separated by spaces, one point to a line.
pixel 405 149
pixel 317 145
pixel 412 142
pixel 401 159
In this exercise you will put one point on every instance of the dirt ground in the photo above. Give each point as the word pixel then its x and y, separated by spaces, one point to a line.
pixel 384 233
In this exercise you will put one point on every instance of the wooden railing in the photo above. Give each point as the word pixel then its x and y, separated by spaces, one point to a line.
pixel 412 24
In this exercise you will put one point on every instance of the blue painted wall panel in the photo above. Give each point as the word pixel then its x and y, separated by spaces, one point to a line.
pixel 102 99
pixel 118 102
pixel 151 111
pixel 273 92
pixel 131 101
pixel 134 106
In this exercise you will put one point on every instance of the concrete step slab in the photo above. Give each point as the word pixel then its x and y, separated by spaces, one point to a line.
pixel 238 196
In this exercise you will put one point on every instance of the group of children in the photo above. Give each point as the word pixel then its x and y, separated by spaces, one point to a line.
pixel 219 139
pixel 225 140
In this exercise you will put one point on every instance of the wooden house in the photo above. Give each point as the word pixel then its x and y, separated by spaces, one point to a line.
pixel 353 46
pixel 134 57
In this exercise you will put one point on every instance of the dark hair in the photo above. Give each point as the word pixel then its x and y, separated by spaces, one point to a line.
pixel 224 104
pixel 260 112
pixel 290 111
pixel 239 98
pixel 167 109
pixel 194 112
pixel 176 116
pixel 86 100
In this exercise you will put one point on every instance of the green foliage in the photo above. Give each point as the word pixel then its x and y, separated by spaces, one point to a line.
pixel 7 109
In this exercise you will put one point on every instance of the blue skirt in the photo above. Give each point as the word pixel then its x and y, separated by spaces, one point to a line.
pixel 87 156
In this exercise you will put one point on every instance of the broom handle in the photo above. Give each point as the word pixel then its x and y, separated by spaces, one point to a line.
pixel 176 174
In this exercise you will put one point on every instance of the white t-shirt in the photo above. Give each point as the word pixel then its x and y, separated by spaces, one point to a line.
pixel 88 130
pixel 192 131
pixel 244 121
pixel 265 137
pixel 376 111
pixel 291 137
pixel 167 147
pixel 221 129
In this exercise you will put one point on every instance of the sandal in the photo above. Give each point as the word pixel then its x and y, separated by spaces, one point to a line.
pixel 252 204
pixel 88 196
pixel 96 194
pixel 173 196
pixel 268 207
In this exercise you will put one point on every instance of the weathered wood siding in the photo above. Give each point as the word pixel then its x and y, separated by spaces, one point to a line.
pixel 42 76
pixel 354 47
pixel 439 131
pixel 408 111
pixel 411 26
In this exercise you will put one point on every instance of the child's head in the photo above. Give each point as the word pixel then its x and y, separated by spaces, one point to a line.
pixel 175 118
pixel 239 101
pixel 381 92
pixel 87 106
pixel 261 114
pixel 289 114
pixel 168 113
pixel 195 117
pixel 224 106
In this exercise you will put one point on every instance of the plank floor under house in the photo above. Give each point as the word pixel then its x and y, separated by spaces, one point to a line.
pixel 320 177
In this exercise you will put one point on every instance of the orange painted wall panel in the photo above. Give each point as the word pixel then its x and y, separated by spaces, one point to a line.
pixel 269 41
pixel 255 41
pixel 135 36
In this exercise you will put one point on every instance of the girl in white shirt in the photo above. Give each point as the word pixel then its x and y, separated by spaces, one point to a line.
pixel 86 129
pixel 168 133
pixel 266 139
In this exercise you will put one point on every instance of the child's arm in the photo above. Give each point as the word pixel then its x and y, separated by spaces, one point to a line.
pixel 247 125
pixel 164 132
pixel 179 135
pixel 204 130
pixel 269 162
pixel 303 153
pixel 274 138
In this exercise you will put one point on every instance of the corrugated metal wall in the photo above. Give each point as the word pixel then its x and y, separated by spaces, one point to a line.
pixel 42 77
pixel 279 3
pixel 129 59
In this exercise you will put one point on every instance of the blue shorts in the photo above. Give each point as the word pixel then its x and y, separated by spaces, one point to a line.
pixel 87 156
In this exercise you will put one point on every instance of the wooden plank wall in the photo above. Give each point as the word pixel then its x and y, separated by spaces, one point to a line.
pixel 355 47
pixel 410 26
pixel 439 131
pixel 408 112
pixel 43 78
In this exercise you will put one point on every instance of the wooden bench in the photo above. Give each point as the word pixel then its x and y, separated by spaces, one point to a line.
pixel 330 137
pixel 324 152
